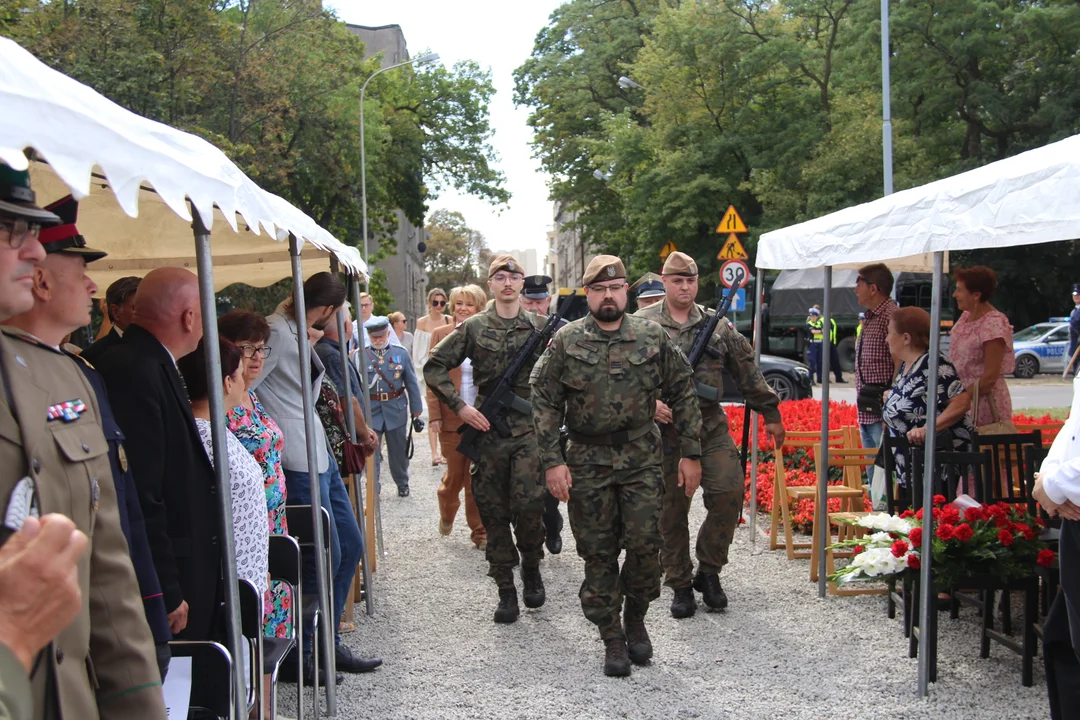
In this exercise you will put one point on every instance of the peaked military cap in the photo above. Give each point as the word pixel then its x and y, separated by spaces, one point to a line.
pixel 505 262
pixel 65 237
pixel 679 263
pixel 536 287
pixel 649 285
pixel 603 268
pixel 17 199
pixel 377 324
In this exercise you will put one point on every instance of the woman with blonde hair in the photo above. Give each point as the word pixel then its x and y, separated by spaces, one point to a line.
pixel 465 302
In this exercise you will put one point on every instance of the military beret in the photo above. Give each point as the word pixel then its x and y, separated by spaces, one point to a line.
pixel 602 268
pixel 504 262
pixel 65 237
pixel 536 287
pixel 649 285
pixel 679 263
pixel 377 325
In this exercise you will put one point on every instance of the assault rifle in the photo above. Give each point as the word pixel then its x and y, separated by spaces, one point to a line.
pixel 705 333
pixel 502 399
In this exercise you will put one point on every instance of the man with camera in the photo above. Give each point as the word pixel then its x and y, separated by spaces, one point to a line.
pixel 390 378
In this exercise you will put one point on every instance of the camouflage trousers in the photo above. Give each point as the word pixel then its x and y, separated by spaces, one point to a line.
pixel 722 486
pixel 610 511
pixel 509 491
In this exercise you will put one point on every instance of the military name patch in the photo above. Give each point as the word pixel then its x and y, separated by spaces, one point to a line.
pixel 67 411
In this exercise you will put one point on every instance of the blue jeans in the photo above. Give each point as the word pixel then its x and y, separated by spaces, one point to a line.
pixel 871 434
pixel 346 545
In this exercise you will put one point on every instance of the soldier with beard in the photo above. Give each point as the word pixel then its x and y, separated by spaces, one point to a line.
pixel 605 374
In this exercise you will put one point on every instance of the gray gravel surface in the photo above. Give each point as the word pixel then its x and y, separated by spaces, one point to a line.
pixel 777 652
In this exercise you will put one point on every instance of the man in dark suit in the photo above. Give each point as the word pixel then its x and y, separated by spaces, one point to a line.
pixel 173 475
pixel 120 304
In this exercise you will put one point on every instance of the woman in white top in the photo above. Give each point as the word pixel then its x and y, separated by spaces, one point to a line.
pixel 251 532
pixel 421 348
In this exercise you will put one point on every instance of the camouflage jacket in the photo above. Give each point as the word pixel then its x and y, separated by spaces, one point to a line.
pixel 608 382
pixel 490 342
pixel 729 350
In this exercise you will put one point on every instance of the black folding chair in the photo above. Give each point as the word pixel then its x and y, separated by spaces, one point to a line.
pixel 212 660
pixel 1008 466
pixel 251 627
pixel 284 568
pixel 302 528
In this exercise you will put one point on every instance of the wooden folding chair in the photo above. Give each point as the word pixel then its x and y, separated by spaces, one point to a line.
pixel 853 461
pixel 783 494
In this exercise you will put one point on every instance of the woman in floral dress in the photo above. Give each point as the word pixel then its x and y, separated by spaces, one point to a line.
pixel 981 343
pixel 906 406
pixel 261 436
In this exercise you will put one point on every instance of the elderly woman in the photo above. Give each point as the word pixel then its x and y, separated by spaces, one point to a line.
pixel 1057 488
pixel 465 302
pixel 906 406
pixel 250 531
pixel 260 435
pixel 981 344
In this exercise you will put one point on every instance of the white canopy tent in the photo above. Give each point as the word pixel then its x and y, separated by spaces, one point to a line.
pixel 147 191
pixel 1023 200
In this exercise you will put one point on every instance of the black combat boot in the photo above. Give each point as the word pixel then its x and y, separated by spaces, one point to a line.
pixel 507 610
pixel 638 644
pixel 616 661
pixel 683 605
pixel 708 584
pixel 532 591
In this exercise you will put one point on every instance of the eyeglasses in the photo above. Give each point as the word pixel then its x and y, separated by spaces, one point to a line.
pixel 438 303
pixel 18 230
pixel 504 278
pixel 605 289
pixel 249 351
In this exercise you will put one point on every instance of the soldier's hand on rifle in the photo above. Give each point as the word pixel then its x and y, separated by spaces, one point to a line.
pixel 663 413
pixel 776 429
pixel 559 482
pixel 689 475
pixel 474 418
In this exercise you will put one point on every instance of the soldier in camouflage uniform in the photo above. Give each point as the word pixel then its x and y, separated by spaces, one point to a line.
pixel 506 481
pixel 722 481
pixel 606 372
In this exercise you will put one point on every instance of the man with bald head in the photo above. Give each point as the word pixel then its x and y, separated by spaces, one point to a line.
pixel 173 475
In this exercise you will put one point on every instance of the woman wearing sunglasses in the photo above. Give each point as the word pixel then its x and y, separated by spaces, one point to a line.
pixel 435 318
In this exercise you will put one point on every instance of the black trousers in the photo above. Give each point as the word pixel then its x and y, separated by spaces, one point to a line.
pixel 1061 633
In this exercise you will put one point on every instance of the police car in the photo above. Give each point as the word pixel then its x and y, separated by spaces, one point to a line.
pixel 1041 348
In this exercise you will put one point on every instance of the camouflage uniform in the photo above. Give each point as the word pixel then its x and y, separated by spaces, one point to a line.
pixel 722 480
pixel 607 383
pixel 506 482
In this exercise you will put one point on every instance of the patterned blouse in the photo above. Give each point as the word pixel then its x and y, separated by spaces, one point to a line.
pixel 262 438
pixel 250 533
pixel 905 407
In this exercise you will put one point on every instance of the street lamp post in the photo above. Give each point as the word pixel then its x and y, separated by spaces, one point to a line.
pixel 430 57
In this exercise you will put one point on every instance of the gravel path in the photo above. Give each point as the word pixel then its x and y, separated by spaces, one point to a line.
pixel 777 652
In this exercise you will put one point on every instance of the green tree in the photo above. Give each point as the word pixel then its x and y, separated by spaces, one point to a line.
pixel 456 253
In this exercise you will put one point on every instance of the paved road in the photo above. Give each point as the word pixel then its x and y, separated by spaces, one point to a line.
pixel 1042 392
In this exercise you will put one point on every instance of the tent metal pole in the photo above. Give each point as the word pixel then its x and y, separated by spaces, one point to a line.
pixel 350 418
pixel 821 511
pixel 322 573
pixel 361 368
pixel 218 430
pixel 926 590
pixel 886 101
pixel 759 297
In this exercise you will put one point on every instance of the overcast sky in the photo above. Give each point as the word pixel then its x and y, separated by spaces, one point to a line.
pixel 498 35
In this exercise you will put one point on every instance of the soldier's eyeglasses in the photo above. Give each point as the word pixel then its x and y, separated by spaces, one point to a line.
pixel 18 230
pixel 249 351
pixel 504 278
pixel 605 289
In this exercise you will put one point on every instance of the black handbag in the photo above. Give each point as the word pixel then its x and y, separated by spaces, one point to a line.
pixel 870 399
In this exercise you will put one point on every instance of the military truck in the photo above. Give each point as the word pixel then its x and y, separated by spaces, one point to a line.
pixel 790 295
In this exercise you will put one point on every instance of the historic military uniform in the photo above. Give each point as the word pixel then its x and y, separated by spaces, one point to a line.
pixel 506 481
pixel 722 480
pixel 607 384
pixel 54 452
pixel 536 288
pixel 392 389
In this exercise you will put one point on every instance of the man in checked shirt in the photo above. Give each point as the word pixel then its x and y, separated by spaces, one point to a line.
pixel 874 365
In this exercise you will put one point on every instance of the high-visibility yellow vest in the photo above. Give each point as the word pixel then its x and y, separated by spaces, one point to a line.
pixel 817 329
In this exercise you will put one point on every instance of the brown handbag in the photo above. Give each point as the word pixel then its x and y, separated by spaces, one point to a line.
pixel 355 456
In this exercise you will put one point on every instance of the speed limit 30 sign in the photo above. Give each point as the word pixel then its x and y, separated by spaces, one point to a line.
pixel 734 273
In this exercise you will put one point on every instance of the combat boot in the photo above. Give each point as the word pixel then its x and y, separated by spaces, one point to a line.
pixel 683 605
pixel 638 644
pixel 616 660
pixel 507 610
pixel 532 591
pixel 708 584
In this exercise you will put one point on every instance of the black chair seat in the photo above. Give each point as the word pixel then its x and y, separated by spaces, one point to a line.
pixel 274 650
